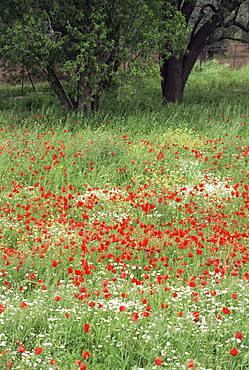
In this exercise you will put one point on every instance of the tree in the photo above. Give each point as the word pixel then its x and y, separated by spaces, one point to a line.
pixel 202 19
pixel 79 45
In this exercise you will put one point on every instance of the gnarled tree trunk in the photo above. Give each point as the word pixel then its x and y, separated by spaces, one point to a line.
pixel 172 80
pixel 87 101
pixel 175 72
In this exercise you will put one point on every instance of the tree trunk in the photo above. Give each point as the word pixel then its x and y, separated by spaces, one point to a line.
pixel 87 101
pixel 58 89
pixel 175 71
pixel 172 80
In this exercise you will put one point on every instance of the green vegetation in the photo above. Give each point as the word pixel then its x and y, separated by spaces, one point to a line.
pixel 124 232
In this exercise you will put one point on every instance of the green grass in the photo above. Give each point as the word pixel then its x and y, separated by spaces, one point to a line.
pixel 206 96
pixel 132 220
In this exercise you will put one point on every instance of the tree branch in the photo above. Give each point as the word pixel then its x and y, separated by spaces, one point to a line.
pixel 239 25
pixel 209 5
pixel 211 41
pixel 202 14
pixel 187 9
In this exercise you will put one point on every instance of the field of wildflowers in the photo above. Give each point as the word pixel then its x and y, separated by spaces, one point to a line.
pixel 126 247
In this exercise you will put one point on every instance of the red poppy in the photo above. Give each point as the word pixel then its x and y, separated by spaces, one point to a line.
pixel 145 314
pixel 85 354
pixel 134 316
pixel 21 349
pixel 87 328
pixel 238 335
pixel 234 351
pixel 226 310
pixel 158 361
pixel 164 305
pixel 23 305
pixel 191 364
pixel 38 350
pixel 179 314
pixel 123 308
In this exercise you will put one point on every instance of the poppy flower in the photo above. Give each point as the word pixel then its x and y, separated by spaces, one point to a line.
pixel 2 308
pixel 190 364
pixel 134 316
pixel 21 349
pixel 238 335
pixel 158 361
pixel 144 301
pixel 87 328
pixel 145 314
pixel 226 310
pixel 23 305
pixel 85 354
pixel 179 314
pixel 164 305
pixel 122 308
pixel 234 351
pixel 38 350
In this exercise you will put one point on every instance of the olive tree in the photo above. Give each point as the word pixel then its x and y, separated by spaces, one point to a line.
pixel 203 20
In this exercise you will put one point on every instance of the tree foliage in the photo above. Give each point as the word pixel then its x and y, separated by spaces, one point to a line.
pixel 80 45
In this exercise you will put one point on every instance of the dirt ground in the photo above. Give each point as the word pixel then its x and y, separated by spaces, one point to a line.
pixel 15 78
pixel 236 55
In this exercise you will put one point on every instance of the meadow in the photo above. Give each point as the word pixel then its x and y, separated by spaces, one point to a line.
pixel 124 234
